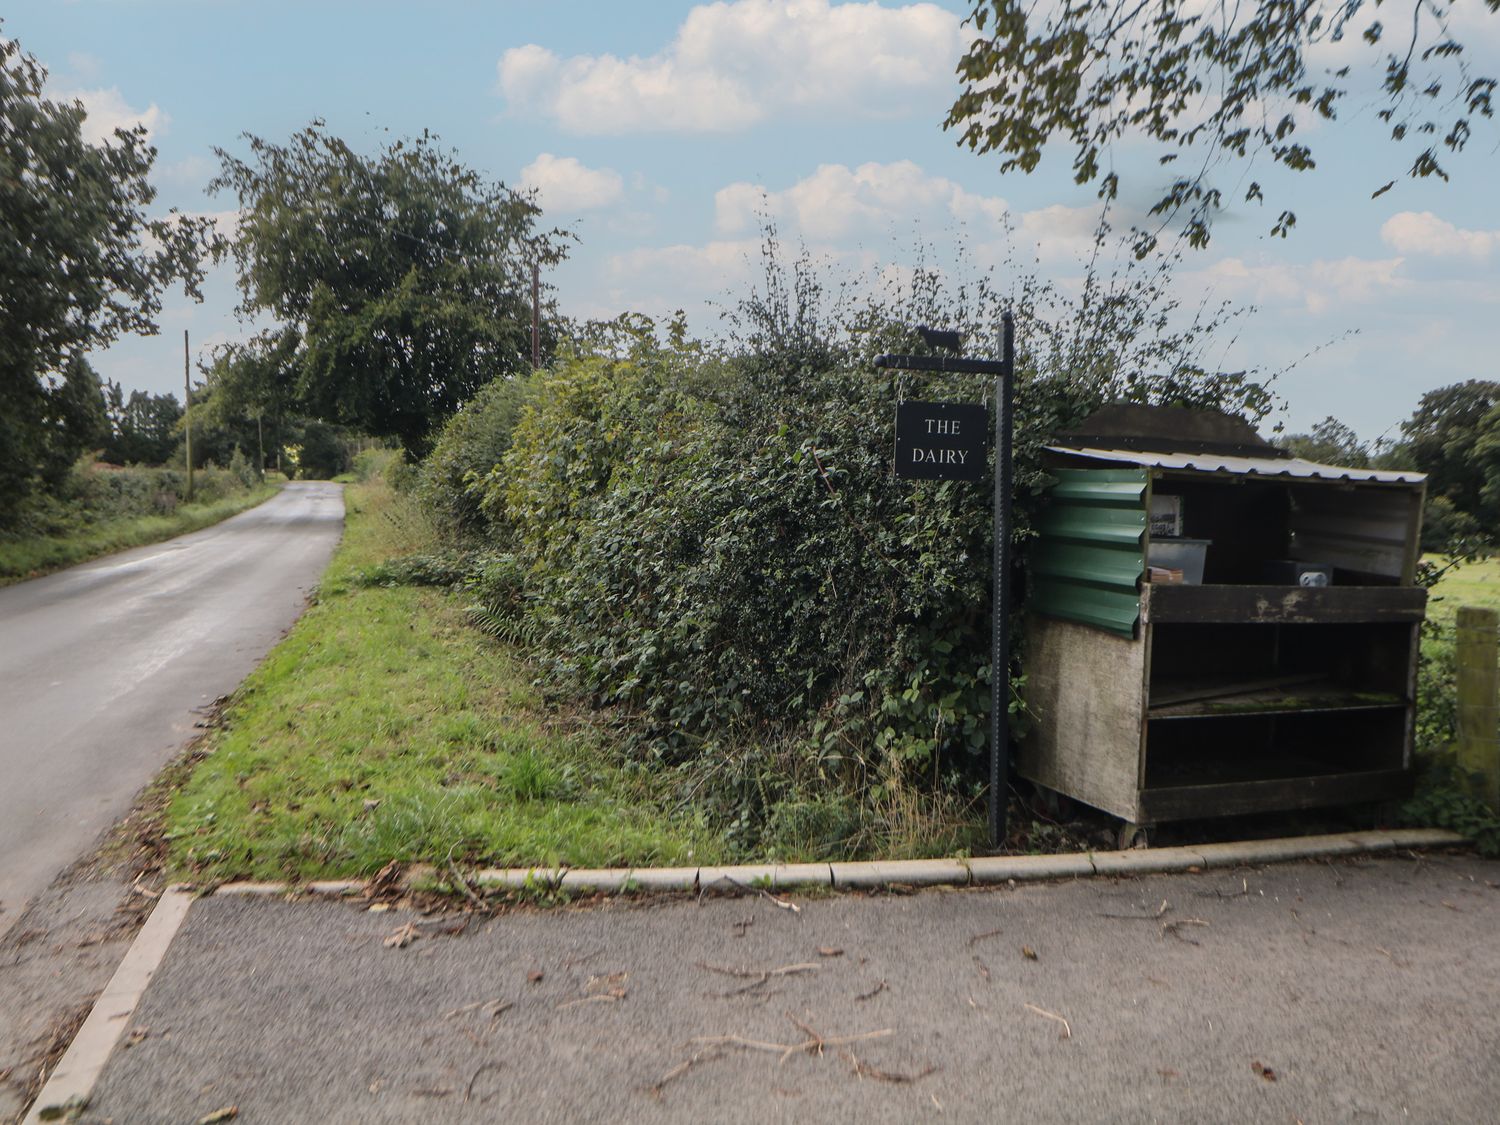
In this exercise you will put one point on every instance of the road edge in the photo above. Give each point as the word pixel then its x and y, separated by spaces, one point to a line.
pixel 71 1082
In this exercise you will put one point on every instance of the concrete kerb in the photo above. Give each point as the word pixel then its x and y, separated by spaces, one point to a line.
pixel 985 870
pixel 908 873
pixel 72 1082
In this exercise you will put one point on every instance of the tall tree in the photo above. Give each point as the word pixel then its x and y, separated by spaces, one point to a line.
pixel 405 276
pixel 1452 436
pixel 143 427
pixel 1330 443
pixel 75 421
pixel 252 384
pixel 83 262
pixel 1208 83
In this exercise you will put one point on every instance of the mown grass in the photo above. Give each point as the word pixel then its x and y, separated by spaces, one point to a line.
pixel 385 728
pixel 37 555
pixel 1470 584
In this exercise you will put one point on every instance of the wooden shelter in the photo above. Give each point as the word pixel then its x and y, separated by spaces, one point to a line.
pixel 1284 679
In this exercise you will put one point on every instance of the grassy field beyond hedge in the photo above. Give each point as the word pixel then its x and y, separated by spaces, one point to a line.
pixel 384 727
pixel 1476 583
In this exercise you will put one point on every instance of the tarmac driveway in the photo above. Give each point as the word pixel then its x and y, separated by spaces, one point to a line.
pixel 1354 990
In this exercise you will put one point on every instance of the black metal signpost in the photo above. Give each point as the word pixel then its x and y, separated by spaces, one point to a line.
pixel 944 441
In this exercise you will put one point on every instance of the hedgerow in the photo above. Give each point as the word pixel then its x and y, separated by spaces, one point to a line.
pixel 708 540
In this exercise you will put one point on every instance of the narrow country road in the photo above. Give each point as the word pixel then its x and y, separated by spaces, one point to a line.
pixel 104 668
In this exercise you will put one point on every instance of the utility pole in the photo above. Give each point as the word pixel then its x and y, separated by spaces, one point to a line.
pixel 536 289
pixel 187 410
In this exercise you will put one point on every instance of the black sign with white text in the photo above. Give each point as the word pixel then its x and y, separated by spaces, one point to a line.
pixel 941 440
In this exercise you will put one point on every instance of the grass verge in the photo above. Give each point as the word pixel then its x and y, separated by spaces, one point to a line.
pixel 385 728
pixel 32 557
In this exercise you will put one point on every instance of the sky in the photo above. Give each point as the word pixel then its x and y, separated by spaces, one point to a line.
pixel 660 132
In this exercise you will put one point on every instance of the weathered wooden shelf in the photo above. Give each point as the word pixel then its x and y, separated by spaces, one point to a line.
pixel 1285 605
pixel 1182 802
pixel 1300 697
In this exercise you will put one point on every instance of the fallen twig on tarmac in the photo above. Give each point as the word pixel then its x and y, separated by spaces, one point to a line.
pixel 756 977
pixel 706 1055
pixel 1160 910
pixel 469 1089
pixel 874 992
pixel 496 1006
pixel 814 1044
pixel 865 1070
pixel 569 962
pixel 1214 892
pixel 607 989
pixel 785 904
pixel 977 938
pixel 1067 1032
pixel 713 1047
pixel 1174 927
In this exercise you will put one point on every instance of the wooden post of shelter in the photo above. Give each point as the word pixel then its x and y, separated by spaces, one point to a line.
pixel 1478 674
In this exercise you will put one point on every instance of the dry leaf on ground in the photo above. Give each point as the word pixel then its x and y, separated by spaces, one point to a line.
pixel 402 937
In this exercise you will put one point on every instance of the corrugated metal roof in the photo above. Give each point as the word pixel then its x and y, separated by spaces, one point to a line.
pixel 1087 559
pixel 1241 466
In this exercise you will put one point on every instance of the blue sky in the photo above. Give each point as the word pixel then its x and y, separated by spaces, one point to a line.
pixel 656 129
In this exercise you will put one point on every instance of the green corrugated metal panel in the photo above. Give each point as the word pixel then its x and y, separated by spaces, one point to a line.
pixel 1104 609
pixel 1088 557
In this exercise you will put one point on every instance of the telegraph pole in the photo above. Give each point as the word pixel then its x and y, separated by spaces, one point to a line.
pixel 187 410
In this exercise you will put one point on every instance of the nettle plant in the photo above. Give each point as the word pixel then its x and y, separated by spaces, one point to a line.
pixel 708 537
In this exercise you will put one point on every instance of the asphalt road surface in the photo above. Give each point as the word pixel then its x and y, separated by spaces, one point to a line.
pixel 104 668
pixel 1363 990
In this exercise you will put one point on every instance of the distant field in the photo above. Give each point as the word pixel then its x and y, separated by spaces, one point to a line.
pixel 1476 583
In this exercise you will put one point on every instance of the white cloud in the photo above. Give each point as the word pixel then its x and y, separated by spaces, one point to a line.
pixel 838 202
pixel 564 184
pixel 1423 233
pixel 1326 286
pixel 736 63
pixel 710 269
pixel 107 111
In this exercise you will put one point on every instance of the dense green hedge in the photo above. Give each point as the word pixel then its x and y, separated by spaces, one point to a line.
pixel 710 541
pixel 93 494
